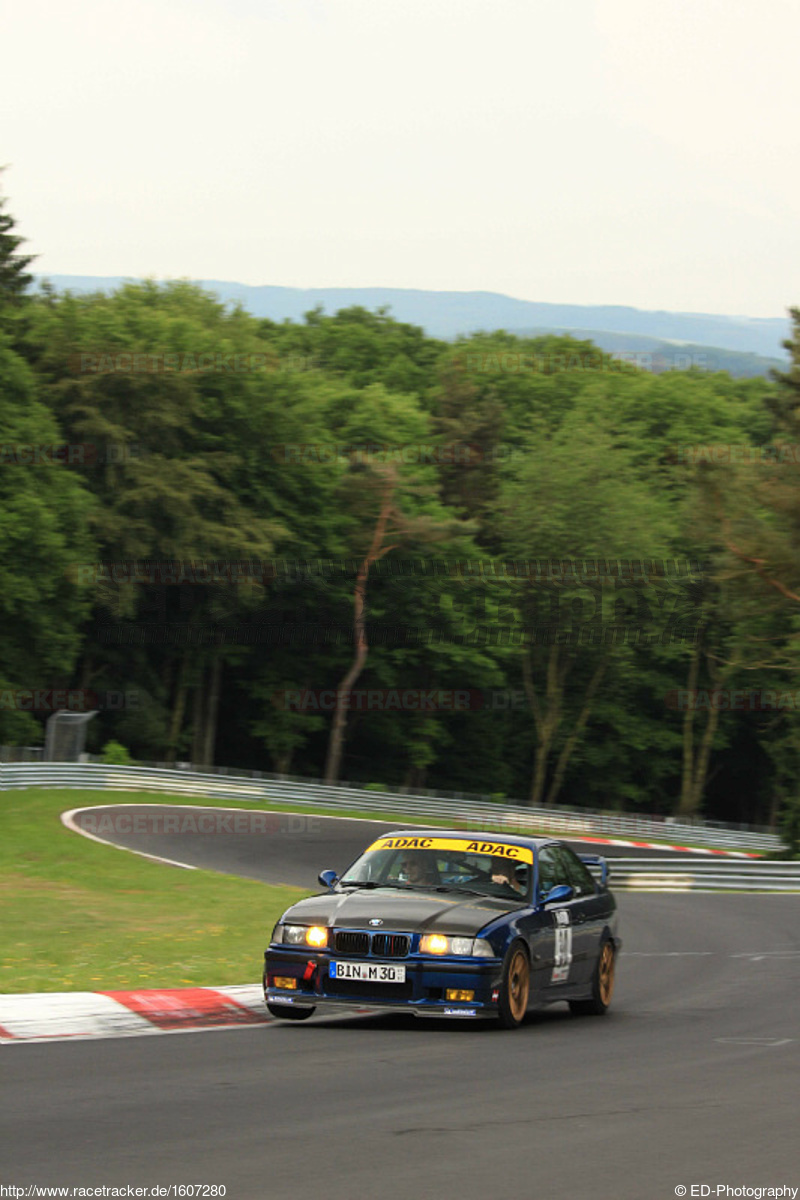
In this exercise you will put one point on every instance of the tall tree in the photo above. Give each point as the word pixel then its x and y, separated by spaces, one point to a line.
pixel 761 528
pixel 394 505
pixel 148 377
pixel 574 498
pixel 14 277
pixel 44 513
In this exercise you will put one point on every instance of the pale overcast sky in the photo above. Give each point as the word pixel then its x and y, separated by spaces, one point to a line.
pixel 641 152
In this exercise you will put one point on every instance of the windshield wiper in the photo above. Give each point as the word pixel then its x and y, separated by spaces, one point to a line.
pixel 433 887
pixel 457 887
pixel 373 883
pixel 407 887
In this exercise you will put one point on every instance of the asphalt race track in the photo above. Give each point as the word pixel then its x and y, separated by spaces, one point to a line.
pixel 692 1078
pixel 290 848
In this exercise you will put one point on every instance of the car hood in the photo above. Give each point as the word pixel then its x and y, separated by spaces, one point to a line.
pixel 407 912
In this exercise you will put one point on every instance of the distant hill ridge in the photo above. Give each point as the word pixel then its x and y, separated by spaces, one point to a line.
pixel 673 336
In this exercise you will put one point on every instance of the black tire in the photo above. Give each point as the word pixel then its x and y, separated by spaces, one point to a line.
pixel 287 1012
pixel 602 984
pixel 515 989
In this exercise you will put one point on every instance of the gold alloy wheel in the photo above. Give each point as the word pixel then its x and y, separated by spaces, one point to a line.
pixel 519 982
pixel 605 974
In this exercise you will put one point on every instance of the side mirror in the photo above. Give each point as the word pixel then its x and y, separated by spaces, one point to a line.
pixel 558 894
pixel 328 878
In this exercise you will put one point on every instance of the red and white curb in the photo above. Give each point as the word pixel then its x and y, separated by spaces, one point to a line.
pixel 575 831
pixel 664 846
pixel 73 1016
pixel 44 1016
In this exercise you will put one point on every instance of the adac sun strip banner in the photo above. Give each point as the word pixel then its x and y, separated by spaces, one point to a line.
pixel 522 854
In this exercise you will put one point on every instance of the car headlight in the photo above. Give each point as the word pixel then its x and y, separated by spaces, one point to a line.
pixel 301 935
pixel 437 943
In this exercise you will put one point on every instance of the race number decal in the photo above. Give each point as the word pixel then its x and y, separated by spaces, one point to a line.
pixel 563 957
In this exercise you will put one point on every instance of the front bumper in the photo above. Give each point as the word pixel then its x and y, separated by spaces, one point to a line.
pixel 423 993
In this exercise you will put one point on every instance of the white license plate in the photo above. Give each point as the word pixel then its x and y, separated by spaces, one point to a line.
pixel 367 972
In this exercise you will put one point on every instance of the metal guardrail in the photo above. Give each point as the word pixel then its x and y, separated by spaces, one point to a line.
pixel 280 790
pixel 679 874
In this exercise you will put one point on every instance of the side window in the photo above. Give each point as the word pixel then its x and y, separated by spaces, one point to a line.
pixel 551 870
pixel 577 874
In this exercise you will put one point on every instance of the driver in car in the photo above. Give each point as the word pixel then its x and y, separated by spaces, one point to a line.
pixel 417 868
pixel 503 872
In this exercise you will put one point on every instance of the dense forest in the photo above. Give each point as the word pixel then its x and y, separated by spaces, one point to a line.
pixel 341 548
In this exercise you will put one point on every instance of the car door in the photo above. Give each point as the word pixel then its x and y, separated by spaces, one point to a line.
pixel 585 915
pixel 552 956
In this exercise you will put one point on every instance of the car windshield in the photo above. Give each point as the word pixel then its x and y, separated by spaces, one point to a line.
pixel 479 867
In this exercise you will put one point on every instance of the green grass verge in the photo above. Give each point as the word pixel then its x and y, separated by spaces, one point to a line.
pixel 79 916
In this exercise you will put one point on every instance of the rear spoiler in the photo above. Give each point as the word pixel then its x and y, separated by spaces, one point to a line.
pixel 597 860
